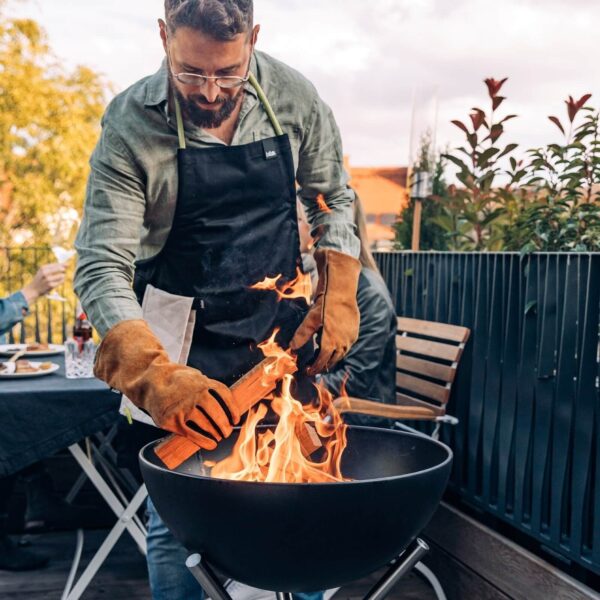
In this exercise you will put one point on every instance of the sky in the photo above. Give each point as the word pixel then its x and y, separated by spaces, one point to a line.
pixel 386 67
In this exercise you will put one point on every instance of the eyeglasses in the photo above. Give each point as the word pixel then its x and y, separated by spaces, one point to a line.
pixel 226 82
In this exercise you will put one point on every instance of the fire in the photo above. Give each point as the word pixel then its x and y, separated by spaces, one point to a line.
pixel 322 204
pixel 300 287
pixel 278 455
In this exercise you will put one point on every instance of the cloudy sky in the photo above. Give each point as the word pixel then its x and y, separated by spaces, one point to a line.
pixel 370 59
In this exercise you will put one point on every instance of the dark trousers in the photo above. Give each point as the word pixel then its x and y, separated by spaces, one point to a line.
pixel 7 485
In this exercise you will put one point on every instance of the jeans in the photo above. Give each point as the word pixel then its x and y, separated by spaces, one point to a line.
pixel 169 578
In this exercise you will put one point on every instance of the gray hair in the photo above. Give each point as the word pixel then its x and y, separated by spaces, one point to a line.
pixel 221 19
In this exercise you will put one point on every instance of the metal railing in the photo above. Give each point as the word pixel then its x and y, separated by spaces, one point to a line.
pixel 527 448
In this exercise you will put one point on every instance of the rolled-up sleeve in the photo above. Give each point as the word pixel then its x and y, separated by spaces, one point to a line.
pixel 109 236
pixel 12 311
pixel 321 173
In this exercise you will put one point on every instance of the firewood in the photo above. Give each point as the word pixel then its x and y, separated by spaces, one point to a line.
pixel 309 439
pixel 250 389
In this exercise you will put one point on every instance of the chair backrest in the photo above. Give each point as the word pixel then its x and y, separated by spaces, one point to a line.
pixel 428 354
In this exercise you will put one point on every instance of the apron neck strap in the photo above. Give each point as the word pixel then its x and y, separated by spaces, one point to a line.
pixel 266 104
pixel 180 130
pixel 261 96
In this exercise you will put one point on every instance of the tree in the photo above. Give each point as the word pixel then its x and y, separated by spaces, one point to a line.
pixel 49 124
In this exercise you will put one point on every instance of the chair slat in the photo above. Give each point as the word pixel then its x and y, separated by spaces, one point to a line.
pixel 425 367
pixel 404 400
pixel 442 331
pixel 433 391
pixel 427 348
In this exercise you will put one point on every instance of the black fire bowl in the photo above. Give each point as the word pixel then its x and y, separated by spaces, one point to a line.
pixel 303 537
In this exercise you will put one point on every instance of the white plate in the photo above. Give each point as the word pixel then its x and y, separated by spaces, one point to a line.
pixel 10 349
pixel 54 367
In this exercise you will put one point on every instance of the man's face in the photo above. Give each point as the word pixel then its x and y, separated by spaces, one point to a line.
pixel 191 51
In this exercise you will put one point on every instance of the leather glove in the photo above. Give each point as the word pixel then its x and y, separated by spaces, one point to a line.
pixel 180 399
pixel 334 313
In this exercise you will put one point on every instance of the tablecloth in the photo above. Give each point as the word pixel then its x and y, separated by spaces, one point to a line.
pixel 42 415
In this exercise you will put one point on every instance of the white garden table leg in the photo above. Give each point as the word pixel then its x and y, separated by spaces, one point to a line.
pixel 126 522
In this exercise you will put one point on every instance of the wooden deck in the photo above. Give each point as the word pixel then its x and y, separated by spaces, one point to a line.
pixel 123 576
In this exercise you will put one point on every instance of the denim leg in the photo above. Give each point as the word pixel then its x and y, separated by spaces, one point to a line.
pixel 169 578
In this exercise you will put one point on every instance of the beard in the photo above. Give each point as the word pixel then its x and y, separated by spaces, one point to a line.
pixel 200 117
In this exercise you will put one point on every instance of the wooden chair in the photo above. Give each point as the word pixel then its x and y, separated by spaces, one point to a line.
pixel 428 354
pixel 427 357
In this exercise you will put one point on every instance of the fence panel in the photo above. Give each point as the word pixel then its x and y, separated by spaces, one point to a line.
pixel 527 393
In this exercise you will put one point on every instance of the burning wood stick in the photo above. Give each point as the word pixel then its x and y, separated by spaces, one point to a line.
pixel 309 439
pixel 247 391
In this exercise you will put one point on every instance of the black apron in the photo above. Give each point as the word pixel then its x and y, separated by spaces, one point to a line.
pixel 235 223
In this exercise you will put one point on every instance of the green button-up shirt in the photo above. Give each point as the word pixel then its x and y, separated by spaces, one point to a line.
pixel 132 189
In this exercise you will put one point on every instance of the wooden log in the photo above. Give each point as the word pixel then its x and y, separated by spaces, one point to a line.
pixel 247 391
pixel 309 439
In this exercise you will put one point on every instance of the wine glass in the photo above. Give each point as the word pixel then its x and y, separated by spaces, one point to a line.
pixel 60 241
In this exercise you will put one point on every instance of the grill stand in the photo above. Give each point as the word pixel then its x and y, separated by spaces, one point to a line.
pixel 401 567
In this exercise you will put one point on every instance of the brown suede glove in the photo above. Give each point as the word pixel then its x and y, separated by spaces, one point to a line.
pixel 334 312
pixel 179 398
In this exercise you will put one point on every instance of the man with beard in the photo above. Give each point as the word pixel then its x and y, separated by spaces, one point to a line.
pixel 192 199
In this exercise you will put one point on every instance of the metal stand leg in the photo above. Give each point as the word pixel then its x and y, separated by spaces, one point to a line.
pixel 407 561
pixel 211 585
pixel 206 578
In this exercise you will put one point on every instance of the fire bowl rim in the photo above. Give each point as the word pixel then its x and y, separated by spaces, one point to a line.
pixel 380 430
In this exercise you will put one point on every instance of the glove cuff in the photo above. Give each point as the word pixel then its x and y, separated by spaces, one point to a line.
pixel 125 354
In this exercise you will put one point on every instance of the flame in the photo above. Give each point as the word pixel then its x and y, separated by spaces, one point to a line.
pixel 299 287
pixel 271 349
pixel 276 455
pixel 322 204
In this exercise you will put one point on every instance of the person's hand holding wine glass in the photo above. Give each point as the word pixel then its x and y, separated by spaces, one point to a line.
pixel 46 279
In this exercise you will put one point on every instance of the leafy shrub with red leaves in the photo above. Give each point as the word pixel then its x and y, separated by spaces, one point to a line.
pixel 549 200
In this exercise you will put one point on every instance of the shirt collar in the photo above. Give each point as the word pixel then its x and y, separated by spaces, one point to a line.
pixel 157 90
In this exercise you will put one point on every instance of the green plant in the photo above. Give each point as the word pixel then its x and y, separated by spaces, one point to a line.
pixel 564 180
pixel 476 212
